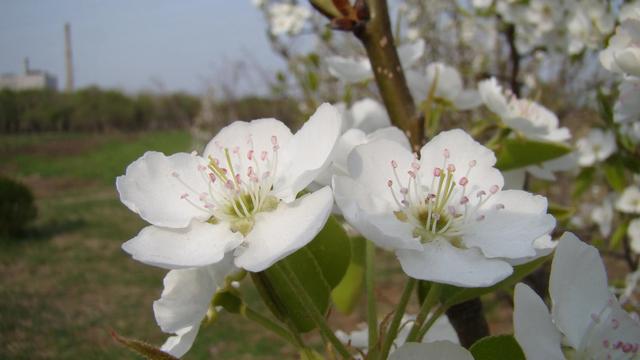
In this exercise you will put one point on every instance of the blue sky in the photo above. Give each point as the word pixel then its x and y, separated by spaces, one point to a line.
pixel 133 44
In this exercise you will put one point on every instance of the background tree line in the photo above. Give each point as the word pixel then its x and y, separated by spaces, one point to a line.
pixel 95 110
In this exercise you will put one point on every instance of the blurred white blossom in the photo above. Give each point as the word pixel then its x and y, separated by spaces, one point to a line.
pixel 597 146
pixel 287 18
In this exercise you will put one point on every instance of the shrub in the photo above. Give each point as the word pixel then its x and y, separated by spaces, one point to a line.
pixel 17 207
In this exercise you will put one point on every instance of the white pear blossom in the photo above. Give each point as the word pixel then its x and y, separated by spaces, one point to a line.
pixel 629 200
pixel 623 53
pixel 527 117
pixel 633 231
pixel 440 330
pixel 367 115
pixel 185 302
pixel 586 321
pixel 597 146
pixel 355 70
pixel 438 350
pixel 444 214
pixel 287 18
pixel 603 216
pixel 366 120
pixel 626 110
pixel 446 84
pixel 240 196
pixel 589 22
pixel 515 179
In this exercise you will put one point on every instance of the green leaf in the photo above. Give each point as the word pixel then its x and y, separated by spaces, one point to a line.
pixel 520 152
pixel 606 110
pixel 614 172
pixel 618 235
pixel 583 181
pixel 497 347
pixel 142 348
pixel 346 294
pixel 312 80
pixel 452 295
pixel 319 266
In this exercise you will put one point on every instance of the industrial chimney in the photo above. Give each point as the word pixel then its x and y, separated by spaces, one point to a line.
pixel 68 57
pixel 27 70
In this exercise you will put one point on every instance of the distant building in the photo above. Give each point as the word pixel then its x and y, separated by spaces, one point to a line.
pixel 31 79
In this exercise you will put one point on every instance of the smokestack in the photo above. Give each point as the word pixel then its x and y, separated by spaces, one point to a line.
pixel 26 66
pixel 68 56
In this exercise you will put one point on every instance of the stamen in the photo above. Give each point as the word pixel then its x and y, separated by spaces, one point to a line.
pixel 446 153
pixel 184 196
pixel 451 168
pixel 464 181
pixel 394 164
pixel 494 189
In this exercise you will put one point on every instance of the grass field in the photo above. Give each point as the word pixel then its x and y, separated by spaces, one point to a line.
pixel 67 283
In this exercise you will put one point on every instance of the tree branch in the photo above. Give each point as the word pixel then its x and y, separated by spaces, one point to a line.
pixel 378 41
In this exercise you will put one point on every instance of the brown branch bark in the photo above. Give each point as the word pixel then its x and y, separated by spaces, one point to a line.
pixel 378 41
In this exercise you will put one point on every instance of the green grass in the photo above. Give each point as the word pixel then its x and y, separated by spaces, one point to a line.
pixel 67 283
pixel 106 157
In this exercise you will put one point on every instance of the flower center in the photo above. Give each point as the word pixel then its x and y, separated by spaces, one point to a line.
pixel 605 338
pixel 445 207
pixel 238 187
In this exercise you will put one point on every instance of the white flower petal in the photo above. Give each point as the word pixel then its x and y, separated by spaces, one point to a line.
pixel 179 344
pixel 462 151
pixel 369 115
pixel 441 262
pixel 418 85
pixel 241 135
pixel 439 350
pixel 391 133
pixel 200 244
pixel 543 246
pixel 410 53
pixel 371 165
pixel 187 294
pixel 634 234
pixel 350 70
pixel 185 301
pixel 369 214
pixel 278 233
pixel 578 287
pixel 155 185
pixel 629 200
pixel 492 96
pixel 467 99
pixel 441 330
pixel 533 328
pixel 308 152
pixel 449 82
pixel 510 231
